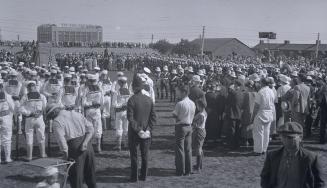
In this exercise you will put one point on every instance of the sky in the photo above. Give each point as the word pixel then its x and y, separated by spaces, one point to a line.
pixel 136 20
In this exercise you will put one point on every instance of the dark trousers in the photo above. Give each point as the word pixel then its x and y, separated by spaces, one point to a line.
pixel 172 94
pixel 134 141
pixel 183 149
pixel 164 86
pixel 323 122
pixel 234 135
pixel 84 168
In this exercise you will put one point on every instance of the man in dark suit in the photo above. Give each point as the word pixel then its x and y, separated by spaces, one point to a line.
pixel 233 114
pixel 141 118
pixel 292 165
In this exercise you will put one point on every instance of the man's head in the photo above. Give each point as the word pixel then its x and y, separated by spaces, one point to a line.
pixel 51 175
pixel 182 91
pixel 291 135
pixel 31 86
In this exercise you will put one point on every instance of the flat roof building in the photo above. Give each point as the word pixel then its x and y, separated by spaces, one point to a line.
pixel 69 33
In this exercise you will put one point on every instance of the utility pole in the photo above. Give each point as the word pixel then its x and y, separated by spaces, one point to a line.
pixel 317 47
pixel 202 46
pixel 18 37
pixel 152 39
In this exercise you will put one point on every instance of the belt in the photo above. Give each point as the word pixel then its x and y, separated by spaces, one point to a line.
pixel 70 108
pixel 183 124
pixel 4 113
pixel 36 114
pixel 15 98
pixel 121 109
pixel 92 107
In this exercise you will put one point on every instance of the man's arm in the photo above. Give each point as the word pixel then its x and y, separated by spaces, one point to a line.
pixel 60 136
pixel 153 117
pixel 130 116
pixel 88 135
pixel 318 174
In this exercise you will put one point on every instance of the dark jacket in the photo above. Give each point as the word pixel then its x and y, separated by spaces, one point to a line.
pixel 234 103
pixel 310 169
pixel 140 113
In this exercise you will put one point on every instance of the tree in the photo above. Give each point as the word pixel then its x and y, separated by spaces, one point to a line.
pixel 185 47
pixel 163 46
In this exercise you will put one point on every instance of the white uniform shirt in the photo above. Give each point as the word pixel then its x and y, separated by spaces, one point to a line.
pixel 184 111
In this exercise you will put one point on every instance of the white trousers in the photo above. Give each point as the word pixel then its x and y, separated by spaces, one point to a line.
pixel 121 123
pixel 6 130
pixel 32 123
pixel 94 116
pixel 260 133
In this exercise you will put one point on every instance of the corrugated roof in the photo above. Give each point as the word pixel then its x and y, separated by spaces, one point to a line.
pixel 297 47
pixel 211 44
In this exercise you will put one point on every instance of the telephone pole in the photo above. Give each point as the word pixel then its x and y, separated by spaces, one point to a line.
pixel 202 46
pixel 18 37
pixel 317 47
pixel 152 39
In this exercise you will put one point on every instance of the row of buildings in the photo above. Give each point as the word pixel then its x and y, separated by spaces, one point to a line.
pixel 82 35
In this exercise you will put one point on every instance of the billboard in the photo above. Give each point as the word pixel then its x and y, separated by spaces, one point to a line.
pixel 267 35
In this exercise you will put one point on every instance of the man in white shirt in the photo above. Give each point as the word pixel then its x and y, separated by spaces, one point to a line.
pixel 263 116
pixel 184 113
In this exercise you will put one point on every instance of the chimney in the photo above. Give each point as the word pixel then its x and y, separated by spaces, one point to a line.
pixel 286 42
pixel 318 42
pixel 261 42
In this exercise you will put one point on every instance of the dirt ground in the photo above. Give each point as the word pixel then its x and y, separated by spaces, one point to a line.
pixel 222 168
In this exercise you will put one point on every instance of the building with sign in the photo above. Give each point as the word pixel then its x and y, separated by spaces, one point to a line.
pixel 289 49
pixel 223 47
pixel 69 34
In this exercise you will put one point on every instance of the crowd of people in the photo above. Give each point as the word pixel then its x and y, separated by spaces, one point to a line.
pixel 235 100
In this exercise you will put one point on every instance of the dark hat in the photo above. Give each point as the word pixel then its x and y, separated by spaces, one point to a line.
pixel 137 83
pixel 290 129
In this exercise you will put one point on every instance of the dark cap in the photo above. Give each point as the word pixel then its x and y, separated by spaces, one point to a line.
pixel 290 129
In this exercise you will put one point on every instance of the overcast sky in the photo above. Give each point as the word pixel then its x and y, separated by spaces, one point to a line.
pixel 135 20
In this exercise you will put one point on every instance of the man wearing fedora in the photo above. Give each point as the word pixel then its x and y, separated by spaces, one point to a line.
pixel 292 165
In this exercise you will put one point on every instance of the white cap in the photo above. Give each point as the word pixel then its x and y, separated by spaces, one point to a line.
pixel 123 78
pixel 120 73
pixel 147 70
pixel 104 72
pixel 72 69
pixel 97 68
pixel 196 78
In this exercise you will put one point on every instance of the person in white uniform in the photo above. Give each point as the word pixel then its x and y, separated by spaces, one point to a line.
pixel 32 106
pixel 119 102
pixel 263 116
pixel 6 122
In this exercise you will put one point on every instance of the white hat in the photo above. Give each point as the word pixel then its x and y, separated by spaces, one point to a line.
pixel 174 71
pixel 13 73
pixel 72 69
pixel 190 69
pixel 21 63
pixel 92 77
pixel 283 78
pixel 200 72
pixel 53 71
pixel 67 76
pixel 97 68
pixel 158 69
pixel 294 73
pixel 165 68
pixel 232 74
pixel 196 78
pixel 310 73
pixel 309 78
pixel 120 73
pixel 104 72
pixel 147 70
pixel 123 78
pixel 33 73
